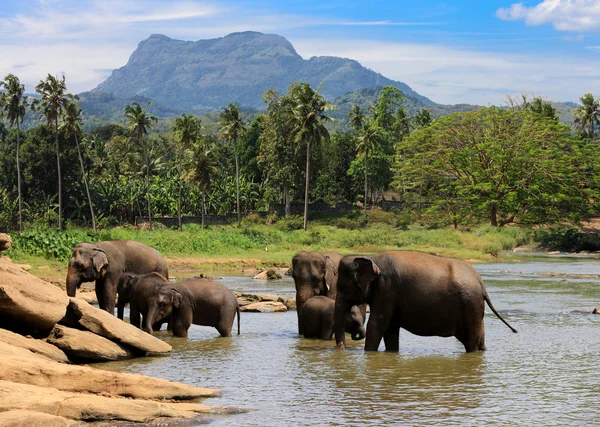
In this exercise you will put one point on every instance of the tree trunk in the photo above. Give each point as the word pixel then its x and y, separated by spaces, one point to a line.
pixel 307 184
pixel 365 204
pixel 60 219
pixel 286 198
pixel 179 199
pixel 148 190
pixel 493 215
pixel 19 178
pixel 237 186
pixel 203 205
pixel 87 189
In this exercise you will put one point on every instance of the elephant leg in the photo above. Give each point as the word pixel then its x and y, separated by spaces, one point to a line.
pixel 100 296
pixel 224 328
pixel 181 322
pixel 391 338
pixel 134 315
pixel 106 290
pixel 379 322
pixel 473 336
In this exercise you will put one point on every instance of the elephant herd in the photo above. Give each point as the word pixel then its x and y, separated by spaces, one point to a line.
pixel 422 293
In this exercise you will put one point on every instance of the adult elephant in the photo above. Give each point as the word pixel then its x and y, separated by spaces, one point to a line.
pixel 424 294
pixel 314 274
pixel 106 261
pixel 136 290
pixel 197 301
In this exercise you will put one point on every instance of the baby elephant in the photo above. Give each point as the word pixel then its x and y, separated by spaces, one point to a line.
pixel 198 302
pixel 135 289
pixel 317 319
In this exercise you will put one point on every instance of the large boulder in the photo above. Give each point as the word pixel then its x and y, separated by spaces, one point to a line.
pixel 29 300
pixel 86 346
pixel 103 323
pixel 17 367
pixel 29 418
pixel 289 302
pixel 5 242
pixel 264 307
pixel 36 346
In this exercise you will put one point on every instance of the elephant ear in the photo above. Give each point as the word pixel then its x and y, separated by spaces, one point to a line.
pixel 176 297
pixel 100 260
pixel 365 273
pixel 125 283
pixel 330 272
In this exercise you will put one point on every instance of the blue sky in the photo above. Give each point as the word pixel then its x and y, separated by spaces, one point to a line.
pixel 461 51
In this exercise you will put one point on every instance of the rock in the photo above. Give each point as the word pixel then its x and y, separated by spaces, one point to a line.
pixel 89 297
pixel 290 302
pixel 103 323
pixel 554 253
pixel 88 407
pixel 596 310
pixel 17 367
pixel 87 346
pixel 29 300
pixel 268 275
pixel 264 307
pixel 267 297
pixel 12 350
pixel 36 346
pixel 5 241
pixel 30 418
pixel 25 267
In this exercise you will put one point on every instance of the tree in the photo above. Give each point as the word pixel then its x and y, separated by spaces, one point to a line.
pixel 71 127
pixel 53 99
pixel 232 127
pixel 308 123
pixel 587 115
pixel 203 168
pixel 369 136
pixel 501 164
pixel 422 118
pixel 357 118
pixel 187 131
pixel 389 100
pixel 139 122
pixel 12 109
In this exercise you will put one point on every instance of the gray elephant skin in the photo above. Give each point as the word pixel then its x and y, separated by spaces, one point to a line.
pixel 105 262
pixel 314 274
pixel 425 294
pixel 135 290
pixel 317 319
pixel 197 301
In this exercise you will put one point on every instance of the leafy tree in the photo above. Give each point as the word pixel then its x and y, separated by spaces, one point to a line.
pixel 204 167
pixel 357 117
pixel 369 136
pixel 501 164
pixel 423 118
pixel 388 102
pixel 187 131
pixel 232 127
pixel 401 127
pixel 12 108
pixel 53 99
pixel 71 127
pixel 587 116
pixel 308 123
pixel 139 122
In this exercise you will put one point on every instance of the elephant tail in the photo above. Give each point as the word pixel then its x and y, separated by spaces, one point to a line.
pixel 238 316
pixel 489 303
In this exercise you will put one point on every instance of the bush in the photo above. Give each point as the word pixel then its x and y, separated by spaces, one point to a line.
pixel 290 223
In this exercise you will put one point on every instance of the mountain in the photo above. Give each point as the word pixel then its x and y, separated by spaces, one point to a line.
pixel 238 68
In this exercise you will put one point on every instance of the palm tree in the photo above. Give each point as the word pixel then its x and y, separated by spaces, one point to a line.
pixel 232 127
pixel 71 126
pixel 53 99
pixel 369 136
pixel 357 118
pixel 139 122
pixel 186 130
pixel 203 168
pixel 308 117
pixel 587 115
pixel 12 108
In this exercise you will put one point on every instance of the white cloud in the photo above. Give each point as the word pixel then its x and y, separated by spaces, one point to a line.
pixel 451 75
pixel 565 15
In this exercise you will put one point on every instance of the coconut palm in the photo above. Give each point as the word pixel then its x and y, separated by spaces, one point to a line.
pixel 308 118
pixel 203 168
pixel 186 131
pixel 587 115
pixel 232 127
pixel 71 127
pixel 12 109
pixel 369 136
pixel 139 122
pixel 53 99
pixel 357 117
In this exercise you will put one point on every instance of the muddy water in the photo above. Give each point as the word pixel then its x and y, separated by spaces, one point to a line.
pixel 547 374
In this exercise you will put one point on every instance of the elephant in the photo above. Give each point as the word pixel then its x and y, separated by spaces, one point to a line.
pixel 196 301
pixel 425 294
pixel 105 262
pixel 317 319
pixel 135 289
pixel 314 274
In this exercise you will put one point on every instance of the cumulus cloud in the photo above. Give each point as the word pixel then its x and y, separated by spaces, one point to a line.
pixel 564 15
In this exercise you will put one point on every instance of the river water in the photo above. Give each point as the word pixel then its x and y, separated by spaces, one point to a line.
pixel 547 374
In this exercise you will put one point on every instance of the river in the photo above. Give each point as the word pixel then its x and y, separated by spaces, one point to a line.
pixel 547 374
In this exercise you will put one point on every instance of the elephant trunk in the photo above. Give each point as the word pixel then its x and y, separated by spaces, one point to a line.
pixel 341 310
pixel 148 322
pixel 73 281
pixel 303 293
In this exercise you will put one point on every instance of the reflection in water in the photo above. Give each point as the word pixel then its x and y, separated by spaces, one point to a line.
pixel 544 375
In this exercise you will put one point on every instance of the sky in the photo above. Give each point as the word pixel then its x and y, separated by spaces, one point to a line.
pixel 459 51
